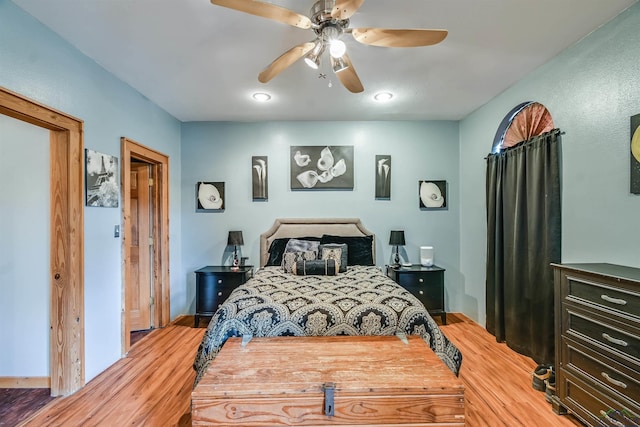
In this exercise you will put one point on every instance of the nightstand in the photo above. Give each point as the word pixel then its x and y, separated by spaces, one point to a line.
pixel 213 286
pixel 426 283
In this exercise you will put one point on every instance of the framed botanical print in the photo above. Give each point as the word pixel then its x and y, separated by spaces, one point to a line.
pixel 383 177
pixel 322 167
pixel 259 178
pixel 635 154
pixel 432 194
pixel 209 196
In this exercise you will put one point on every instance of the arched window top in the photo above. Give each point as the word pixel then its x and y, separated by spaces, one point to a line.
pixel 523 122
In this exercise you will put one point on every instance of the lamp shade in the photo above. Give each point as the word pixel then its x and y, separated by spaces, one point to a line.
pixel 235 238
pixel 396 238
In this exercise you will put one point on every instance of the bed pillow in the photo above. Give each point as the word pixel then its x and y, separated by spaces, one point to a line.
pixel 301 245
pixel 277 247
pixel 317 267
pixel 289 259
pixel 359 248
pixel 336 251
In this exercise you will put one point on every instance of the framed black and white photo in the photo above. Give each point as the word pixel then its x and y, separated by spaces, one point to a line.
pixel 635 154
pixel 209 196
pixel 383 177
pixel 101 180
pixel 322 167
pixel 259 178
pixel 432 194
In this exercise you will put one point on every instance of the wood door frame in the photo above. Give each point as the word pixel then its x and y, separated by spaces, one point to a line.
pixel 160 231
pixel 67 364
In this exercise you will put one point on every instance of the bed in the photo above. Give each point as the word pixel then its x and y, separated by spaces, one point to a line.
pixel 359 301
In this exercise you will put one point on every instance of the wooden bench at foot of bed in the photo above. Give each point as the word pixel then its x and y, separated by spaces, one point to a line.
pixel 378 381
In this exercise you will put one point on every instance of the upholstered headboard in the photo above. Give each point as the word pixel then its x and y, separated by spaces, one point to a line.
pixel 301 227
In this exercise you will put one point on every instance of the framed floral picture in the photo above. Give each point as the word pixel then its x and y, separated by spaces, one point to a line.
pixel 259 178
pixel 635 154
pixel 101 180
pixel 432 194
pixel 209 196
pixel 383 177
pixel 322 167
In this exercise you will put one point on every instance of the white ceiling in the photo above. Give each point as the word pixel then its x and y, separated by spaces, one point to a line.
pixel 200 62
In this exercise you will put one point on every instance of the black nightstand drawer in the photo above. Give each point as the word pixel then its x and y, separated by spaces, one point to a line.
pixel 214 284
pixel 425 283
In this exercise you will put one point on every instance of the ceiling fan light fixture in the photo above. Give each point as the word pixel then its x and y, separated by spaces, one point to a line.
pixel 261 96
pixel 383 96
pixel 312 59
pixel 337 48
pixel 338 64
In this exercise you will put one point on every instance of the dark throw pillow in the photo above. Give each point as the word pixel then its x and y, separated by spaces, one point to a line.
pixel 316 267
pixel 277 249
pixel 359 247
pixel 336 251
pixel 290 259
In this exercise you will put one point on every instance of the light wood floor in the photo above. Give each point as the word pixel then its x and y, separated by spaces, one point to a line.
pixel 152 385
pixel 497 381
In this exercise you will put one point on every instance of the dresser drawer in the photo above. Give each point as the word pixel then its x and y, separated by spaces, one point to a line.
pixel 431 295
pixel 595 408
pixel 425 283
pixel 214 284
pixel 602 371
pixel 621 343
pixel 584 291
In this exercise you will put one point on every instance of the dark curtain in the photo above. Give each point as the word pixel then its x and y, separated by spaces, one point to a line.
pixel 523 238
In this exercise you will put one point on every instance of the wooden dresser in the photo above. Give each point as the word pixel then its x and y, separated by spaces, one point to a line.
pixel 319 381
pixel 597 322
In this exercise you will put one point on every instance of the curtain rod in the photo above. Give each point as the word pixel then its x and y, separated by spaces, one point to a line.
pixel 552 131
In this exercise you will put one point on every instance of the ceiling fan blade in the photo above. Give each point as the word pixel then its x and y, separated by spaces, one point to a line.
pixel 349 77
pixel 386 37
pixel 284 61
pixel 267 10
pixel 344 9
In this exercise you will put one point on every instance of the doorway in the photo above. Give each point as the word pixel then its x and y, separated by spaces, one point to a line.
pixel 66 262
pixel 145 239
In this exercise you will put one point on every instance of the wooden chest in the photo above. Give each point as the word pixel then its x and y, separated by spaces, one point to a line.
pixel 286 381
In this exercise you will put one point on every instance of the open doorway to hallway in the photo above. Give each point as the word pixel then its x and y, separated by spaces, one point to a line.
pixel 145 240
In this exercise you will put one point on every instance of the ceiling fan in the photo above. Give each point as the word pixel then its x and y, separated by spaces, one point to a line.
pixel 329 19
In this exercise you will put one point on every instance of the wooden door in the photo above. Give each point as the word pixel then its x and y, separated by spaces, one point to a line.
pixel 139 285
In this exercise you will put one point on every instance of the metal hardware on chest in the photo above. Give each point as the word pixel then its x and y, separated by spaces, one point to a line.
pixel 329 389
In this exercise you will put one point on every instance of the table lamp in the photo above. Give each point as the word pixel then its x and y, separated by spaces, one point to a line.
pixel 396 239
pixel 235 239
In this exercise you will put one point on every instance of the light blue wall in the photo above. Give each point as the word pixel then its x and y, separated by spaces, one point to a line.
pixel 38 64
pixel 222 152
pixel 591 91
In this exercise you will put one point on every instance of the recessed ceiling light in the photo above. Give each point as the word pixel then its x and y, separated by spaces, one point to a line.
pixel 261 96
pixel 383 96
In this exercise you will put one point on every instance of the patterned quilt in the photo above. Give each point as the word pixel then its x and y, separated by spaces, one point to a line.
pixel 361 301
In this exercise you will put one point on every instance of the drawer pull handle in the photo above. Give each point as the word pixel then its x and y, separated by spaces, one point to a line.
pixel 421 280
pixel 613 300
pixel 614 340
pixel 219 280
pixel 220 293
pixel 613 381
pixel 421 292
pixel 610 420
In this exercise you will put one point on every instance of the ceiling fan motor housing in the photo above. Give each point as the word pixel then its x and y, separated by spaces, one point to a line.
pixel 321 19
